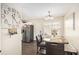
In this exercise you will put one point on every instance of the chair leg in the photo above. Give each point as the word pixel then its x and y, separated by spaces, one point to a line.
pixel 37 50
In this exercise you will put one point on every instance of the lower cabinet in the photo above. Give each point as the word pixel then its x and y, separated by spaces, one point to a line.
pixel 54 48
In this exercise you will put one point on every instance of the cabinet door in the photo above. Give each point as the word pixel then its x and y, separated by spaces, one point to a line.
pixel 54 49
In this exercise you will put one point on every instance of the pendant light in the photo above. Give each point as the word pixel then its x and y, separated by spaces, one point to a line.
pixel 49 17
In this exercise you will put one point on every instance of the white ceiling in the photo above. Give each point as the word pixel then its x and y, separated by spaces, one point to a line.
pixel 41 9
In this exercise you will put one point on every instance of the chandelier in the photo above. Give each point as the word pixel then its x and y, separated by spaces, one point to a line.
pixel 49 17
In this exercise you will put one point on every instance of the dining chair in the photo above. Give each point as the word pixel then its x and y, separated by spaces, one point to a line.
pixel 40 45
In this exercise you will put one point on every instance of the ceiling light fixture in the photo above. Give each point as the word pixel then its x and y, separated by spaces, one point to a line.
pixel 49 17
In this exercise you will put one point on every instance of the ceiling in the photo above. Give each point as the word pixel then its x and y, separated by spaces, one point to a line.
pixel 41 9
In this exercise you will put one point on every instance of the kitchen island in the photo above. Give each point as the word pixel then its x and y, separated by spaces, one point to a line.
pixel 55 46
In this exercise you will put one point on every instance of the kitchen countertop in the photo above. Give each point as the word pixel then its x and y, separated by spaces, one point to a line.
pixel 56 40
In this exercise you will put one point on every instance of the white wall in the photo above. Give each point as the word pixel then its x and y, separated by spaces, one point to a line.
pixel 72 35
pixel 10 45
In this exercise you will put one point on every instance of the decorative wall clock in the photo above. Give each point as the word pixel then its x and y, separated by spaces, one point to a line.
pixel 8 12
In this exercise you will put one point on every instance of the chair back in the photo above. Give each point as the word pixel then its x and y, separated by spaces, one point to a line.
pixel 37 41
pixel 41 38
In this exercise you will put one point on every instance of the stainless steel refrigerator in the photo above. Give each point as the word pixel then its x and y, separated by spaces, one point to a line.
pixel 28 33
